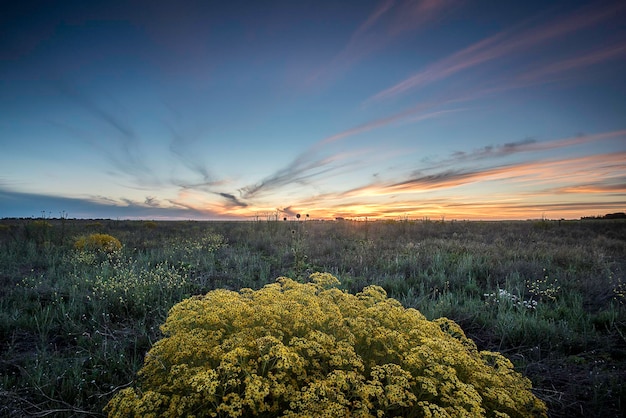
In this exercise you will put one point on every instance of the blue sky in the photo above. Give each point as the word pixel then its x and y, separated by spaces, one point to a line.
pixel 386 109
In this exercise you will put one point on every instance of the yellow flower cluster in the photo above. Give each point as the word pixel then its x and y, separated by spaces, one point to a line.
pixel 133 286
pixel 545 288
pixel 98 242
pixel 312 350
pixel 190 247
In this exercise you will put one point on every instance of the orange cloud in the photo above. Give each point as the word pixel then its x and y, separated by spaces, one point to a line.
pixel 594 188
pixel 561 187
pixel 515 191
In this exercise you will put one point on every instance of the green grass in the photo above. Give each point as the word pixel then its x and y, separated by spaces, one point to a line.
pixel 75 325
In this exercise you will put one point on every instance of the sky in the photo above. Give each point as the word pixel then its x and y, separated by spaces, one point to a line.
pixel 392 109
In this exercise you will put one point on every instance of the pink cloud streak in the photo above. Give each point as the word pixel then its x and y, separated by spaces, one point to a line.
pixel 387 22
pixel 413 115
pixel 586 60
pixel 597 168
pixel 501 44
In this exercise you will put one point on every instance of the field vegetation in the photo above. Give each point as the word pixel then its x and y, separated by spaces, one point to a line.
pixel 82 301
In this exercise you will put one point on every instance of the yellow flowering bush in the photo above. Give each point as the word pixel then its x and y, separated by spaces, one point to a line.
pixel 98 242
pixel 312 350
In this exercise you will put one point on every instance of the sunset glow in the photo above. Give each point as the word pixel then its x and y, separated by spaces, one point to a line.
pixel 363 110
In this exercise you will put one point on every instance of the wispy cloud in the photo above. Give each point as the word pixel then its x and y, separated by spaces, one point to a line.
pixel 524 146
pixel 413 114
pixel 383 7
pixel 310 164
pixel 119 125
pixel 388 21
pixel 618 187
pixel 453 178
pixel 553 170
pixel 233 200
pixel 411 15
pixel 491 151
pixel 573 63
pixel 179 148
pixel 550 173
pixel 470 196
pixel 508 42
pixel 16 204
pixel 152 202
pixel 120 145
pixel 305 167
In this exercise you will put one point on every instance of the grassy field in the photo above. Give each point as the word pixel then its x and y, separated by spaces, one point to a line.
pixel 75 324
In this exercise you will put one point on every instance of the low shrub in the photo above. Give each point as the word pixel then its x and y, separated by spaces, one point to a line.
pixel 98 242
pixel 150 224
pixel 293 349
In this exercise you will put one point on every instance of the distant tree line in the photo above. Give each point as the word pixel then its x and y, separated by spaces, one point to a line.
pixel 617 215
